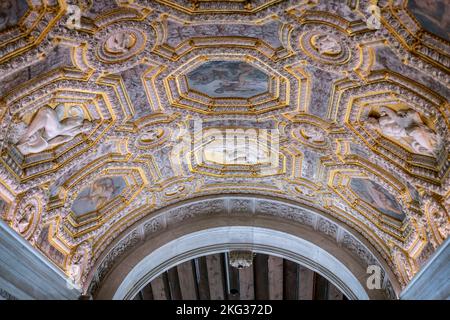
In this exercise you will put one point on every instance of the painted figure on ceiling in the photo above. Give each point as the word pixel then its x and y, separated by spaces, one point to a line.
pixel 101 192
pixel 24 217
pixel 8 13
pixel 377 196
pixel 96 195
pixel 3 207
pixel 228 79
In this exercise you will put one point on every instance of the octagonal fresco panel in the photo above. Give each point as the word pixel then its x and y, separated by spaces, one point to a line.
pixel 433 15
pixel 50 127
pixel 228 79
pixel 98 194
pixel 377 197
pixel 11 11
pixel 44 244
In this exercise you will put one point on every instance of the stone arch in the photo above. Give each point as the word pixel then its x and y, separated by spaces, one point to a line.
pixel 335 251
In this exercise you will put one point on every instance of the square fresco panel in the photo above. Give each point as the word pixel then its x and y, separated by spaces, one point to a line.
pixel 97 195
pixel 50 251
pixel 228 79
pixel 433 15
pixel 377 197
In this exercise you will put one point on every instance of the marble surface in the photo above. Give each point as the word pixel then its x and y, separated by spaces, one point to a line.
pixel 433 280
pixel 27 274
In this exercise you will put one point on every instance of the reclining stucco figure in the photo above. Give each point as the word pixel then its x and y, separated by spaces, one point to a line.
pixel 406 124
pixel 47 131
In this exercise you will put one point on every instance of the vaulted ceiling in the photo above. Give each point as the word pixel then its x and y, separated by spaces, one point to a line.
pixel 111 110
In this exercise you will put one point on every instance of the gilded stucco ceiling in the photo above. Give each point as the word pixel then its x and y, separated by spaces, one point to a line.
pixel 141 104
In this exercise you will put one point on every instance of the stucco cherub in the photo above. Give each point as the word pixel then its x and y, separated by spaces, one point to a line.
pixel 326 44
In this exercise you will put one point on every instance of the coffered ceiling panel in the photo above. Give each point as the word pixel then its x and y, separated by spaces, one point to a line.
pixel 112 110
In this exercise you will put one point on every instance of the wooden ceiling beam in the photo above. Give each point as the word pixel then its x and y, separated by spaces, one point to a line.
pixel 246 284
pixel 174 284
pixel 215 276
pixel 320 287
pixel 260 269
pixel 187 280
pixel 147 293
pixel 334 293
pixel 290 286
pixel 158 288
pixel 201 270
pixel 305 283
pixel 275 267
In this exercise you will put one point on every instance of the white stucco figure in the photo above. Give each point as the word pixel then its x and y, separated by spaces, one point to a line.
pixel 313 134
pixel 46 130
pixel 374 20
pixel 74 17
pixel 74 270
pixel 326 44
pixel 405 124
pixel 174 189
pixel 120 43
pixel 236 152
pixel 23 219
pixel 151 135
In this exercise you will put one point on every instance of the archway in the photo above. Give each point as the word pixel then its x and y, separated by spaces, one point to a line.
pixel 239 275
pixel 262 240
pixel 261 227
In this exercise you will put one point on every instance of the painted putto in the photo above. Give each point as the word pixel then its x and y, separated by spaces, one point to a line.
pixel 98 194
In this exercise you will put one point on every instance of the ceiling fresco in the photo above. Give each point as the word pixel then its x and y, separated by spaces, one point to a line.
pixel 11 13
pixel 228 79
pixel 377 196
pixel 96 196
pixel 433 15
pixel 112 110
